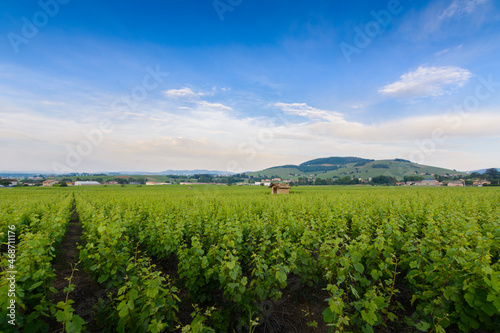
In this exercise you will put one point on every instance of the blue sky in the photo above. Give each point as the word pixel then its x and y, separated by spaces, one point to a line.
pixel 242 85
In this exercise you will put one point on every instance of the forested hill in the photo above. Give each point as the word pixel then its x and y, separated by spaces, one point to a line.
pixel 335 166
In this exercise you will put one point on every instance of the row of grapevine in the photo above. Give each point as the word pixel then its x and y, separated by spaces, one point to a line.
pixel 142 298
pixel 24 207
pixel 238 248
pixel 39 222
pixel 406 258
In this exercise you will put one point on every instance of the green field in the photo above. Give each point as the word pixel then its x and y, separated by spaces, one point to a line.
pixel 238 259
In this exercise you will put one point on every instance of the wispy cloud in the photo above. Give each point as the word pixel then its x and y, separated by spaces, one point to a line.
pixel 188 95
pixel 427 81
pixel 181 93
pixel 437 54
pixel 407 130
pixel 214 106
pixel 304 110
pixel 454 49
pixel 462 7
pixel 158 140
pixel 448 20
pixel 51 103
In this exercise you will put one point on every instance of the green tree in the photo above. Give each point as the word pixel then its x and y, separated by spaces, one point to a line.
pixel 384 180
pixel 121 181
pixel 492 172
pixel 346 180
pixel 302 181
pixel 4 182
pixel 413 178
pixel 319 181
pixel 475 175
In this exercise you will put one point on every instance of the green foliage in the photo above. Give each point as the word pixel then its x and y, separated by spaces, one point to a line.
pixel 336 160
pixel 379 166
pixel 384 180
pixel 238 248
pixel 71 323
pixel 38 231
pixel 5 182
pixel 146 302
pixel 493 173
pixel 198 325
pixel 413 178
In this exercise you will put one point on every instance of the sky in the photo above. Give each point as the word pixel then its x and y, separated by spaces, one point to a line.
pixel 242 85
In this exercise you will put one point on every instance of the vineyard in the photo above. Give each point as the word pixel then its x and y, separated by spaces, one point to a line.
pixel 237 259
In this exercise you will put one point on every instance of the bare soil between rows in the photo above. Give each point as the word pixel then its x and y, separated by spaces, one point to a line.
pixel 86 292
pixel 298 306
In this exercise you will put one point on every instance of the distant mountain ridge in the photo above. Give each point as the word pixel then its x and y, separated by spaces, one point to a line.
pixel 196 172
pixel 176 172
pixel 483 170
pixel 334 166
pixel 161 173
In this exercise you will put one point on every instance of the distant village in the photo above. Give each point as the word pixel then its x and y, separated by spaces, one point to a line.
pixel 39 181
pixel 424 182
pixel 490 178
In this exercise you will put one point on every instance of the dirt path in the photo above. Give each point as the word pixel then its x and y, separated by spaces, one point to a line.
pixel 86 292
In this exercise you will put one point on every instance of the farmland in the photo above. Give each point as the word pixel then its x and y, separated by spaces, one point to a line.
pixel 226 258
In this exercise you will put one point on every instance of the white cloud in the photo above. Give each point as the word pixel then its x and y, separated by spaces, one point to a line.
pixel 442 21
pixel 181 93
pixel 437 54
pixel 461 7
pixel 194 97
pixel 51 103
pixel 427 81
pixel 34 127
pixel 304 110
pixel 159 136
pixel 157 139
pixel 413 128
pixel 214 106
pixel 455 49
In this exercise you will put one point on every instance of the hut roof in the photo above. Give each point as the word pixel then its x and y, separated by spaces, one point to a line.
pixel 283 186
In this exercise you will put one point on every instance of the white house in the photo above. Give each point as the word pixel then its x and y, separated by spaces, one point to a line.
pixel 456 183
pixel 88 182
pixel 13 182
pixel 263 182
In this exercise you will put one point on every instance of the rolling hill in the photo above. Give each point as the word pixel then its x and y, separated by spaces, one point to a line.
pixel 333 167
